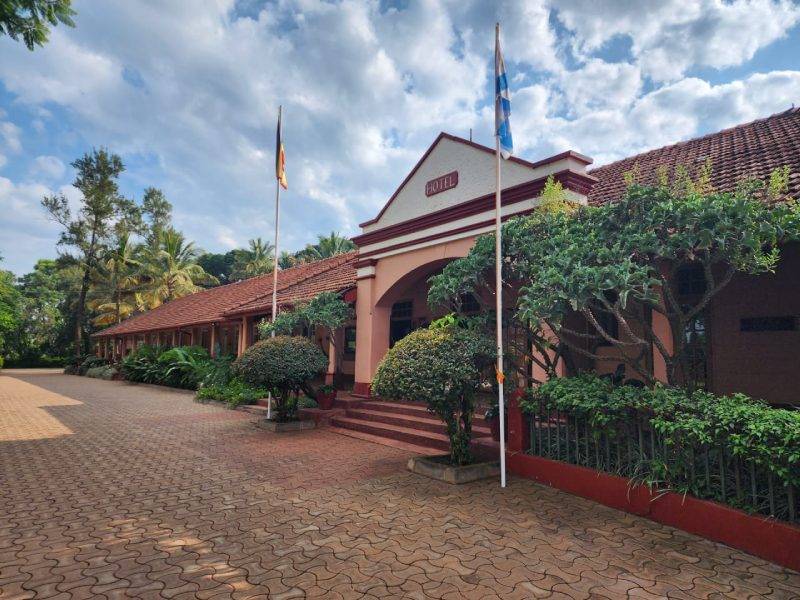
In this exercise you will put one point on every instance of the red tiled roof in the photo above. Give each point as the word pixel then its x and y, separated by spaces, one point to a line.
pixel 214 304
pixel 336 279
pixel 750 150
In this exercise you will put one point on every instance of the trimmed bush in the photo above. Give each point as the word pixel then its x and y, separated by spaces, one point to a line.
pixel 284 365
pixel 443 367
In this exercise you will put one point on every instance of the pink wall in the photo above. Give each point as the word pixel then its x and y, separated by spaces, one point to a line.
pixel 761 364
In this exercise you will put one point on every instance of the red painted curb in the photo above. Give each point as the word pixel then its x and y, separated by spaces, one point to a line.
pixel 769 539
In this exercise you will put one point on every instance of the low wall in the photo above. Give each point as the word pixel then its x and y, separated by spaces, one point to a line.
pixel 772 540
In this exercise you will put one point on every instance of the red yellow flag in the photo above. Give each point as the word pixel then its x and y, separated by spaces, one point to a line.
pixel 280 156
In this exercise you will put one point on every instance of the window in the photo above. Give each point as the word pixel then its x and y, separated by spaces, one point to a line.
pixel 400 324
pixel 696 339
pixel 691 281
pixel 768 324
pixel 402 310
pixel 349 341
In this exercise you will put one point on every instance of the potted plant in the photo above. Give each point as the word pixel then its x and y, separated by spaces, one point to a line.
pixel 326 394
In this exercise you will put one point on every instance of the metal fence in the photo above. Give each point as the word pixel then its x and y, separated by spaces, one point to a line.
pixel 635 450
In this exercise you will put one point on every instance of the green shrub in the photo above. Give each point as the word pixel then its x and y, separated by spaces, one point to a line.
pixel 2 361
pixel 284 365
pixel 183 366
pixel 443 367
pixel 235 392
pixel 747 429
pixel 107 372
pixel 306 402
pixel 91 362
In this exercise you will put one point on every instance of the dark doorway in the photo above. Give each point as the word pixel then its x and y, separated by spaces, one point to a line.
pixel 400 323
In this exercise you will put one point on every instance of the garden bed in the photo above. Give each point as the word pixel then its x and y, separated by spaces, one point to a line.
pixel 439 468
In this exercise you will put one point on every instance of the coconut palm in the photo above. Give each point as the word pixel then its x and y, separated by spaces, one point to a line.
pixel 115 283
pixel 171 270
pixel 257 259
pixel 328 246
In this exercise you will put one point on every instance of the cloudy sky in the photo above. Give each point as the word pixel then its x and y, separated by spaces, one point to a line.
pixel 188 97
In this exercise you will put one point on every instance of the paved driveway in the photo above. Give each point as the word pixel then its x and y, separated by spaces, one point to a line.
pixel 113 490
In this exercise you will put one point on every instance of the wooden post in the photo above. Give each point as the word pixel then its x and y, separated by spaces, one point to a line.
pixel 213 341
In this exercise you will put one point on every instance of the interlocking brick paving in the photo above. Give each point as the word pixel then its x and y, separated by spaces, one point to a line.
pixel 113 490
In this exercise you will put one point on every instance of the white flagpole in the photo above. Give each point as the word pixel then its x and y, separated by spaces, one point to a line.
pixel 498 245
pixel 275 257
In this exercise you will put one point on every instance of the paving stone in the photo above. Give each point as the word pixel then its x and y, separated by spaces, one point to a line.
pixel 113 490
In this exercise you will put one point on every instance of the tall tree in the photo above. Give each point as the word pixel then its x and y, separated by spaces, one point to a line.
pixel 10 311
pixel 116 283
pixel 328 246
pixel 256 260
pixel 45 309
pixel 171 269
pixel 219 266
pixel 102 210
pixel 157 212
pixel 31 19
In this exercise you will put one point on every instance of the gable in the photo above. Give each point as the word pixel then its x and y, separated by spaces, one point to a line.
pixel 475 169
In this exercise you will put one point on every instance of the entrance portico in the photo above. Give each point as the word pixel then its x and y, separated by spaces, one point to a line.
pixel 434 217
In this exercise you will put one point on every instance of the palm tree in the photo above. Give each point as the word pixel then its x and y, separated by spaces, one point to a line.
pixel 328 246
pixel 287 259
pixel 257 259
pixel 171 269
pixel 115 283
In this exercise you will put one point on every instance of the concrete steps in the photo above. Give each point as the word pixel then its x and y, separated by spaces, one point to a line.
pixel 399 424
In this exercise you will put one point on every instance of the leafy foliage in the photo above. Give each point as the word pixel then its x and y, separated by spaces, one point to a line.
pixel 31 19
pixel 747 429
pixel 255 260
pixel 235 392
pixel 183 366
pixel 284 365
pixel 622 260
pixel 442 366
pixel 107 372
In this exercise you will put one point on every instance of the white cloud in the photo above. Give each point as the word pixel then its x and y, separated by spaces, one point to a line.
pixel 671 36
pixel 10 137
pixel 50 167
pixel 365 89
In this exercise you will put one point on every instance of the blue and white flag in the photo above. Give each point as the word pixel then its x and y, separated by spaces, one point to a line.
pixel 502 102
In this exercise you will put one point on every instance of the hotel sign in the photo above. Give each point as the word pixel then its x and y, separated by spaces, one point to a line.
pixel 441 184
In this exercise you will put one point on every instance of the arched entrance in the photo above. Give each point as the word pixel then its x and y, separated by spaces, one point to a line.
pixel 392 301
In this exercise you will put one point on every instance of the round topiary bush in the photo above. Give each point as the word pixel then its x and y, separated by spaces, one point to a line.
pixel 444 367
pixel 284 365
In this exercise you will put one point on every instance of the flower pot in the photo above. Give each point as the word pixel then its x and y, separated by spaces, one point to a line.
pixel 325 399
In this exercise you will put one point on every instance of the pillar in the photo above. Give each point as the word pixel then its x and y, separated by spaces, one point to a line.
pixel 331 374
pixel 174 338
pixel 213 340
pixel 372 334
pixel 244 335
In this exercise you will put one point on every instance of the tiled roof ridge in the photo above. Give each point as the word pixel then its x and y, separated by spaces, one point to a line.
pixel 634 157
pixel 332 263
pixel 326 263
